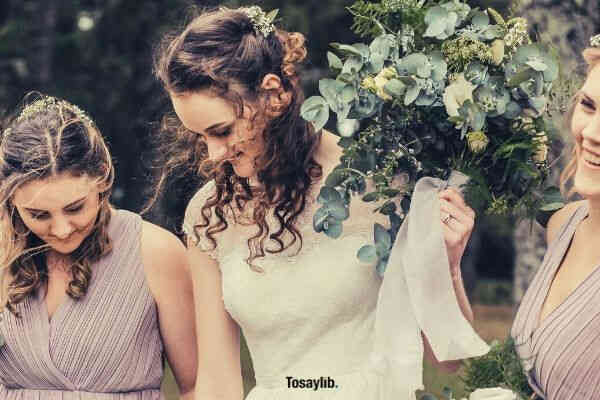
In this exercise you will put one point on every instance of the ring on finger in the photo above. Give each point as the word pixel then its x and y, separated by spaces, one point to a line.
pixel 447 218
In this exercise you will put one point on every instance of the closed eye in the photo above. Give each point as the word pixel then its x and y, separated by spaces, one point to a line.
pixel 39 215
pixel 74 210
pixel 588 104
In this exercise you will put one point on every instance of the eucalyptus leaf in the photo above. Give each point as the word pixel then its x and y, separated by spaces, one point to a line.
pixel 381 235
pixel 333 228
pixel 520 77
pixel 337 209
pixel 334 61
pixel 315 110
pixel 367 254
pixel 381 266
pixel 480 19
pixel 537 65
pixel 394 87
pixel 411 94
pixel 372 196
pixel 319 219
pixel 352 65
pixel 335 178
pixel 552 206
pixel 328 194
pixel 346 49
pixel 348 94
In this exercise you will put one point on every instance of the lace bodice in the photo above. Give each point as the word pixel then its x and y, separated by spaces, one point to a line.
pixel 306 315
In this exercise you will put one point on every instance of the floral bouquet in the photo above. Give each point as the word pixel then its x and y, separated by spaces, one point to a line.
pixel 440 87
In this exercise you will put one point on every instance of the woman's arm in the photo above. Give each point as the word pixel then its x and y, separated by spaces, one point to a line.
pixel 218 335
pixel 169 279
pixel 456 229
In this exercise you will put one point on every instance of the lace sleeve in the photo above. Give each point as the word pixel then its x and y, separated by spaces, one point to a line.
pixel 197 236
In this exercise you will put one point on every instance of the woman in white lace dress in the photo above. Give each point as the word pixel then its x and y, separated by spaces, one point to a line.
pixel 304 302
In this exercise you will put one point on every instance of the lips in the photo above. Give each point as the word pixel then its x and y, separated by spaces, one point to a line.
pixel 591 158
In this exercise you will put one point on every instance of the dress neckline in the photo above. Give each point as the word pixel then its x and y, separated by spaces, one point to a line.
pixel 540 323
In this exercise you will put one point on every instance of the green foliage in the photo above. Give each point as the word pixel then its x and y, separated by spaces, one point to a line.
pixel 440 87
pixel 500 367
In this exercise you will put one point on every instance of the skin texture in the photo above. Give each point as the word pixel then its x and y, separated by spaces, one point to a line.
pixel 62 209
pixel 581 258
pixel 219 370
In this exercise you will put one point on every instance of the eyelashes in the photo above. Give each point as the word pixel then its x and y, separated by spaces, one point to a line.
pixel 588 104
pixel 45 215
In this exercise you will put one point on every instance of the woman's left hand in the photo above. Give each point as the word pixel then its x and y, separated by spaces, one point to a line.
pixel 458 220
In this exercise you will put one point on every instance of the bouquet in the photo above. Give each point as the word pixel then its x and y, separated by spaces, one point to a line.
pixel 440 87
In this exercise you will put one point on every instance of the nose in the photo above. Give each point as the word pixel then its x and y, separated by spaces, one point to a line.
pixel 61 228
pixel 217 149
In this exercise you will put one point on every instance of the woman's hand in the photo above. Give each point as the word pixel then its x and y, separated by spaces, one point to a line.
pixel 458 220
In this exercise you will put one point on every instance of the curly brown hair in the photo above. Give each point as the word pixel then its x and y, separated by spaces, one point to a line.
pixel 47 137
pixel 591 55
pixel 221 51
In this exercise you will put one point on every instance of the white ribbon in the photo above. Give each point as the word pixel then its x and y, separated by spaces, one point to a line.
pixel 417 295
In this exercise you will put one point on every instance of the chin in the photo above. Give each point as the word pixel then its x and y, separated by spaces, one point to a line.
pixel 243 169
pixel 64 248
pixel 587 182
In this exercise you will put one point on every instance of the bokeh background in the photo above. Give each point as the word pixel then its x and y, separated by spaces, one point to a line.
pixel 98 55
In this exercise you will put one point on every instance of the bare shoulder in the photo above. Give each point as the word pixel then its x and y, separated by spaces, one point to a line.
pixel 162 252
pixel 558 219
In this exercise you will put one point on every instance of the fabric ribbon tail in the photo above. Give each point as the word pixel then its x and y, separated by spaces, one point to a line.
pixel 417 295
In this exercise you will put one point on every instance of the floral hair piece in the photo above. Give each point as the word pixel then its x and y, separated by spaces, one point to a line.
pixel 262 22
pixel 595 41
pixel 45 102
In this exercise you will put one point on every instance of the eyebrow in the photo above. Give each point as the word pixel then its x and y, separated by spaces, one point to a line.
pixel 67 206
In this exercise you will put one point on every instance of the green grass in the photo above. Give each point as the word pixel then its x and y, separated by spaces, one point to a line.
pixel 491 322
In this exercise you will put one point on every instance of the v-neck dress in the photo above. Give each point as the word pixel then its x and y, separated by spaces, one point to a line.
pixel 105 346
pixel 561 353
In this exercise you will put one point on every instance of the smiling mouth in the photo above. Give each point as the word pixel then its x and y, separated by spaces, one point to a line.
pixel 592 159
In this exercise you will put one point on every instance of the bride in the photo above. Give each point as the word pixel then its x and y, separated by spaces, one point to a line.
pixel 307 307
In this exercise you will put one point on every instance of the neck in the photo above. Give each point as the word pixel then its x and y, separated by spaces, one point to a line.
pixel 593 219
pixel 58 261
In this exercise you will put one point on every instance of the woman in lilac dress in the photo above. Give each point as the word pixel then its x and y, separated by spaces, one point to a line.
pixel 557 328
pixel 92 297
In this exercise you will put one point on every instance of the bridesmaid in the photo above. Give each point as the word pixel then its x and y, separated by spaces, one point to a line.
pixel 92 297
pixel 557 327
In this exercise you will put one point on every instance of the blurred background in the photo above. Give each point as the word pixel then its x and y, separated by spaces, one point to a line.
pixel 98 55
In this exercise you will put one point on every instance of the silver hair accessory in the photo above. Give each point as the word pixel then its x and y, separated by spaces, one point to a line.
pixel 595 41
pixel 45 102
pixel 261 21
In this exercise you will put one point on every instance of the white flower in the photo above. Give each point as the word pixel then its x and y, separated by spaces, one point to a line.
pixel 493 394
pixel 541 153
pixel 497 51
pixel 477 141
pixel 457 93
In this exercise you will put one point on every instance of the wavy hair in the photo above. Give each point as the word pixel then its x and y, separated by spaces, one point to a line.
pixel 45 138
pixel 219 50
pixel 591 55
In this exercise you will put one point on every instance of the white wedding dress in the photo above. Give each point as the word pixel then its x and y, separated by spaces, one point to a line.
pixel 312 314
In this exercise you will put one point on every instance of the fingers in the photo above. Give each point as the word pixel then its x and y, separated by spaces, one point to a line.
pixel 452 196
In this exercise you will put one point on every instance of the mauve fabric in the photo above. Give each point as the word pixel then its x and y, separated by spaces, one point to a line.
pixel 561 355
pixel 106 346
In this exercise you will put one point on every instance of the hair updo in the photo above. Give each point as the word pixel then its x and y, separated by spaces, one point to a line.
pixel 220 50
pixel 48 137
pixel 591 55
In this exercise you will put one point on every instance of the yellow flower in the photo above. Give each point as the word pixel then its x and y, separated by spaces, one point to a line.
pixel 497 51
pixel 477 141
pixel 388 73
pixel 380 82
pixel 369 83
pixel 456 94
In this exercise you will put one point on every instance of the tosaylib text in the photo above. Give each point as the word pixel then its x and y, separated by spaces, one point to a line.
pixel 323 382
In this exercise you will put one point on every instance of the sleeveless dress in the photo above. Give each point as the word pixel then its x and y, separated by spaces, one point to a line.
pixel 561 355
pixel 309 316
pixel 106 346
